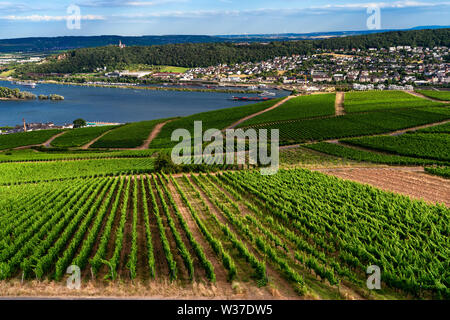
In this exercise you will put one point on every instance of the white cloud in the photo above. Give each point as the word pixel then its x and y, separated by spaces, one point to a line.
pixel 45 18
pixel 127 3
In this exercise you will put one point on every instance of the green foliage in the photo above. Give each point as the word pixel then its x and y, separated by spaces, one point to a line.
pixel 298 108
pixel 7 93
pixel 79 123
pixel 79 137
pixel 383 100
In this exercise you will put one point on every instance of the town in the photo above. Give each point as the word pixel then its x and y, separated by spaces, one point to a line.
pixel 386 68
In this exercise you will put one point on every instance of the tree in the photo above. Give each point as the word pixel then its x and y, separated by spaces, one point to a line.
pixel 79 123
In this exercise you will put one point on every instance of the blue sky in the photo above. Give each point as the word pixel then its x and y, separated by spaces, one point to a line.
pixel 21 18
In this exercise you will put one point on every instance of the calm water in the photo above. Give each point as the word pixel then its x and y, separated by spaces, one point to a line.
pixel 110 104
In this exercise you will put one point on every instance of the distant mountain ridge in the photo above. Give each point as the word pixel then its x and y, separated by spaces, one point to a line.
pixel 51 44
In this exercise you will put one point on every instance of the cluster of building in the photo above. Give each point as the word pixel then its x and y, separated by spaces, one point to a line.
pixel 33 126
pixel 36 126
pixel 385 68
pixel 8 59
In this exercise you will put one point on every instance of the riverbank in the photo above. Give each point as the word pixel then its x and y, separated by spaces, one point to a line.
pixel 140 87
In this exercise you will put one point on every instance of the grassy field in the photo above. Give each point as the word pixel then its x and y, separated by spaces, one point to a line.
pixel 21 139
pixel 173 69
pixel 439 95
pixel 6 74
pixel 383 100
pixel 217 119
pixel 298 108
pixel 131 135
pixel 80 137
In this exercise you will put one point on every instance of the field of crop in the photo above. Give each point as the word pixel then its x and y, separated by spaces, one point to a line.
pixel 368 156
pixel 21 139
pixel 79 137
pixel 439 171
pixel 383 100
pixel 11 173
pixel 428 146
pixel 237 226
pixel 131 135
pixel 32 155
pixel 217 119
pixel 298 108
pixel 443 128
pixel 439 95
pixel 352 125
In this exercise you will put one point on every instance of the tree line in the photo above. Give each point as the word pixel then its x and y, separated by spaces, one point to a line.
pixel 206 54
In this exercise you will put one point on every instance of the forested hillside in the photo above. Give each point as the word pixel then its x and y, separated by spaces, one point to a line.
pixel 206 54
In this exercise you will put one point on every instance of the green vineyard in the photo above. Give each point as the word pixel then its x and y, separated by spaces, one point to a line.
pixel 315 232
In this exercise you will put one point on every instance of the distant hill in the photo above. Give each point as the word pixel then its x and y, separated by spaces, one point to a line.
pixel 206 54
pixel 43 45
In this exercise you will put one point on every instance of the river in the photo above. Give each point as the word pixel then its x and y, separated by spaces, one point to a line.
pixel 110 104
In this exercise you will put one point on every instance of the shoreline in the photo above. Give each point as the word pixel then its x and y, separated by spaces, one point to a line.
pixel 154 88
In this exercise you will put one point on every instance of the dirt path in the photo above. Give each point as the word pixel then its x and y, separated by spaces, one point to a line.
pixel 419 95
pixel 88 145
pixel 156 130
pixel 234 125
pixel 400 132
pixel 153 134
pixel 339 104
pixel 46 144
pixel 409 181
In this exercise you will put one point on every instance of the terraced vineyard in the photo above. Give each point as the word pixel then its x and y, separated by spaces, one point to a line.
pixel 21 139
pixel 348 152
pixel 439 95
pixel 131 135
pixel 298 108
pixel 428 146
pixel 217 119
pixel 80 137
pixel 232 228
pixel 352 125
pixel 383 100
pixel 12 173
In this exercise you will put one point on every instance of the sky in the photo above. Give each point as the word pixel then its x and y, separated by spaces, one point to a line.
pixel 48 18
